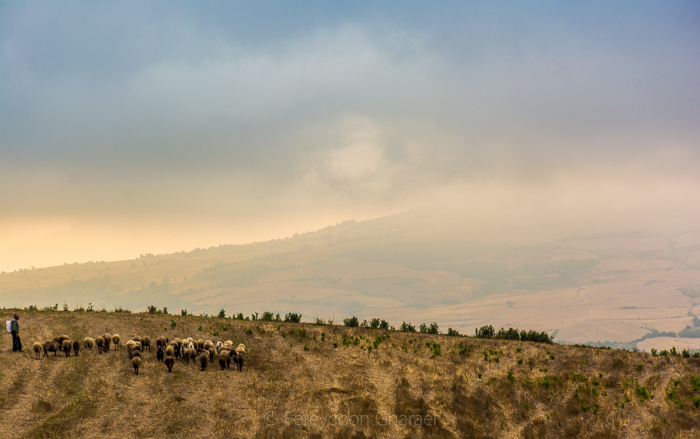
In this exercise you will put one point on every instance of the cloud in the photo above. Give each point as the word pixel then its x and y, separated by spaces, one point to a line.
pixel 237 114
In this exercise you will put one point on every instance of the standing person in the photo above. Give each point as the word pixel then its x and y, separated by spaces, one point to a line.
pixel 16 343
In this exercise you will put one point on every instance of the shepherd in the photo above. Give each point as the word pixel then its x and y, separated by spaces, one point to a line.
pixel 16 343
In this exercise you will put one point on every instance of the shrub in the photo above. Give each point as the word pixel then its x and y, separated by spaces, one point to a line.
pixel 152 309
pixel 267 316
pixel 292 317
pixel 351 322
pixel 484 332
pixel 306 347
pixel 172 324
pixel 452 332
pixel 407 327
pixel 222 313
pixel 432 329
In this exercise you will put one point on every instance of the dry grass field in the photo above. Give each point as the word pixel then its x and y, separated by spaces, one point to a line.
pixel 302 380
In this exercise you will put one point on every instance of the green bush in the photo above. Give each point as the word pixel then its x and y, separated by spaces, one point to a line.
pixel 351 322
pixel 292 317
pixel 222 314
pixel 407 327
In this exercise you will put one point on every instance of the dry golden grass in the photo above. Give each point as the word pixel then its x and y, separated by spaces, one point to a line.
pixel 556 391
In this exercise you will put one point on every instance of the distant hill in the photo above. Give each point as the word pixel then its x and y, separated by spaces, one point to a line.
pixel 302 380
pixel 413 267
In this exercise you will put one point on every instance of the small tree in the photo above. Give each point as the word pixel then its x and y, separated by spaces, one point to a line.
pixel 407 327
pixel 351 322
pixel 222 313
pixel 292 317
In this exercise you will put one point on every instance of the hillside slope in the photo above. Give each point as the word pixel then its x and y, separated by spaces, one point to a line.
pixel 454 386
pixel 615 288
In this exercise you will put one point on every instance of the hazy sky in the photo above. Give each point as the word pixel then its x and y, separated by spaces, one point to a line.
pixel 134 127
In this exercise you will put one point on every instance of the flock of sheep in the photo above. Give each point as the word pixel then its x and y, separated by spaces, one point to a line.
pixel 201 352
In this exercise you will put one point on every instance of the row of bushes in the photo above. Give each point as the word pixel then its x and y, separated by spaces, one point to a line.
pixel 512 334
pixel 354 322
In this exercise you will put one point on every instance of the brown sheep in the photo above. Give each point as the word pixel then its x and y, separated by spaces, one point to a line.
pixel 76 347
pixel 169 351
pixel 59 341
pixel 116 339
pixel 240 355
pixel 161 341
pixel 66 347
pixel 136 362
pixel 36 347
pixel 170 361
pixel 50 346
pixel 88 343
pixel 222 363
pixel 203 361
pixel 135 353
pixel 108 341
pixel 100 342
pixel 146 343
pixel 226 357
pixel 136 338
pixel 189 354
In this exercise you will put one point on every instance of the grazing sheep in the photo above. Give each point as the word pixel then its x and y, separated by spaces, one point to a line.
pixel 76 347
pixel 136 338
pixel 178 341
pixel 208 344
pixel 159 354
pixel 108 341
pixel 189 354
pixel 59 341
pixel 136 361
pixel 116 339
pixel 89 343
pixel 240 355
pixel 66 347
pixel 169 362
pixel 36 347
pixel 50 346
pixel 203 361
pixel 100 342
pixel 169 351
pixel 222 363
pixel 226 357
pixel 200 343
pixel 161 341
pixel 146 343
pixel 135 353
pixel 190 345
pixel 212 353
pixel 134 348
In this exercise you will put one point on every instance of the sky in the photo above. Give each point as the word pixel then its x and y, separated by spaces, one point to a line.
pixel 152 127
